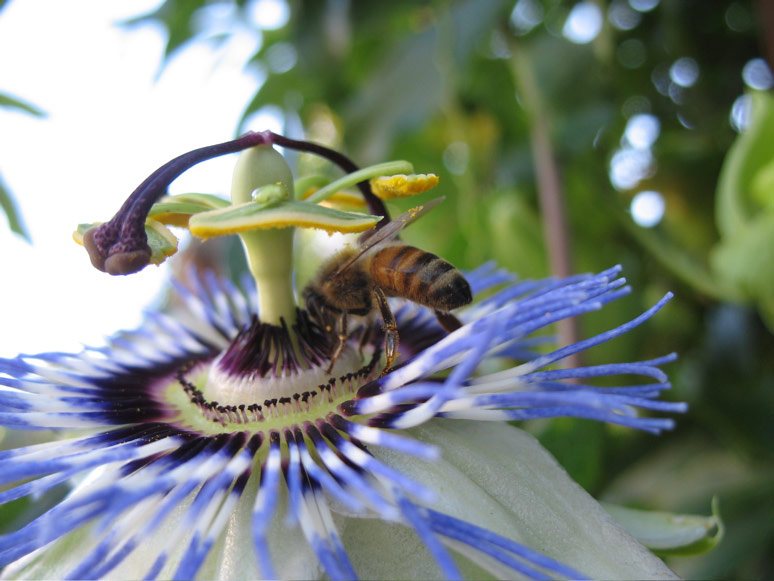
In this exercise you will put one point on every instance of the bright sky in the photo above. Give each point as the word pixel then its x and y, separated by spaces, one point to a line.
pixel 109 125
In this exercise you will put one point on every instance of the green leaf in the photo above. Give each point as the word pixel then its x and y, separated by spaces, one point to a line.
pixel 669 533
pixel 762 186
pixel 176 16
pixel 12 214
pixel 680 262
pixel 404 90
pixel 8 102
pixel 750 154
pixel 513 229
pixel 253 215
pixel 746 260
pixel 577 446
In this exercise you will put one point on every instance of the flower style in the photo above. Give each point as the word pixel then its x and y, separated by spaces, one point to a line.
pixel 225 440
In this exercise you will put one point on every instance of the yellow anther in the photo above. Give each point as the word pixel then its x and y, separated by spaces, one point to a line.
pixel 403 186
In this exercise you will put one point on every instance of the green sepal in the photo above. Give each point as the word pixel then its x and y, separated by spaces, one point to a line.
pixel 282 214
pixel 667 533
pixel 161 241
pixel 209 200
pixel 176 210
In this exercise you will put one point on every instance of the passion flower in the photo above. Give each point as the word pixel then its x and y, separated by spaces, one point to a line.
pixel 219 440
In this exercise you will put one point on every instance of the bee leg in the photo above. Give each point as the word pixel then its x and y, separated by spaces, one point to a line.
pixel 448 322
pixel 365 336
pixel 342 335
pixel 390 329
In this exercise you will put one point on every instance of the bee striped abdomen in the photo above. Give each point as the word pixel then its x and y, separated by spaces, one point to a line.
pixel 420 276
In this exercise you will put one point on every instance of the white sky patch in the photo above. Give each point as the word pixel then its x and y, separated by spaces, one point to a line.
pixel 109 125
pixel 267 117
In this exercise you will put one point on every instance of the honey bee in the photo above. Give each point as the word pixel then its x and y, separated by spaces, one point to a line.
pixel 357 281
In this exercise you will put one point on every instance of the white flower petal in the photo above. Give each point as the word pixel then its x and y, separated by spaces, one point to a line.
pixel 500 478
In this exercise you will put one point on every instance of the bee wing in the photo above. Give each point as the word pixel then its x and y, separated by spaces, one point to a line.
pixel 389 231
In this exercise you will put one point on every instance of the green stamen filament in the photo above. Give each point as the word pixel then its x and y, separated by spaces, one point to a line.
pixel 351 179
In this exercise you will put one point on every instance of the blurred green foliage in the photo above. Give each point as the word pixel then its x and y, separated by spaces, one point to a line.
pixel 7 203
pixel 745 211
pixel 465 89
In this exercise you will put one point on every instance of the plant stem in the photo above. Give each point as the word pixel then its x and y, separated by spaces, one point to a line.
pixel 555 230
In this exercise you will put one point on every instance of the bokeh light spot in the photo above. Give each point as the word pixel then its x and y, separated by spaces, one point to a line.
pixel 660 79
pixel 268 14
pixel 628 166
pixel 647 208
pixel 498 46
pixel 643 5
pixel 456 157
pixel 676 93
pixel 684 72
pixel 634 105
pixel 642 130
pixel 526 15
pixel 622 16
pixel 583 23
pixel 738 17
pixel 757 75
pixel 631 53
pixel 740 112
pixel 281 57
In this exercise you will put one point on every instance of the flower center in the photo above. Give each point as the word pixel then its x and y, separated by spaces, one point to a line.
pixel 269 377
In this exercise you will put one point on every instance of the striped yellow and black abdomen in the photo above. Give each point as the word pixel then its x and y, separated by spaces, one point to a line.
pixel 419 276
